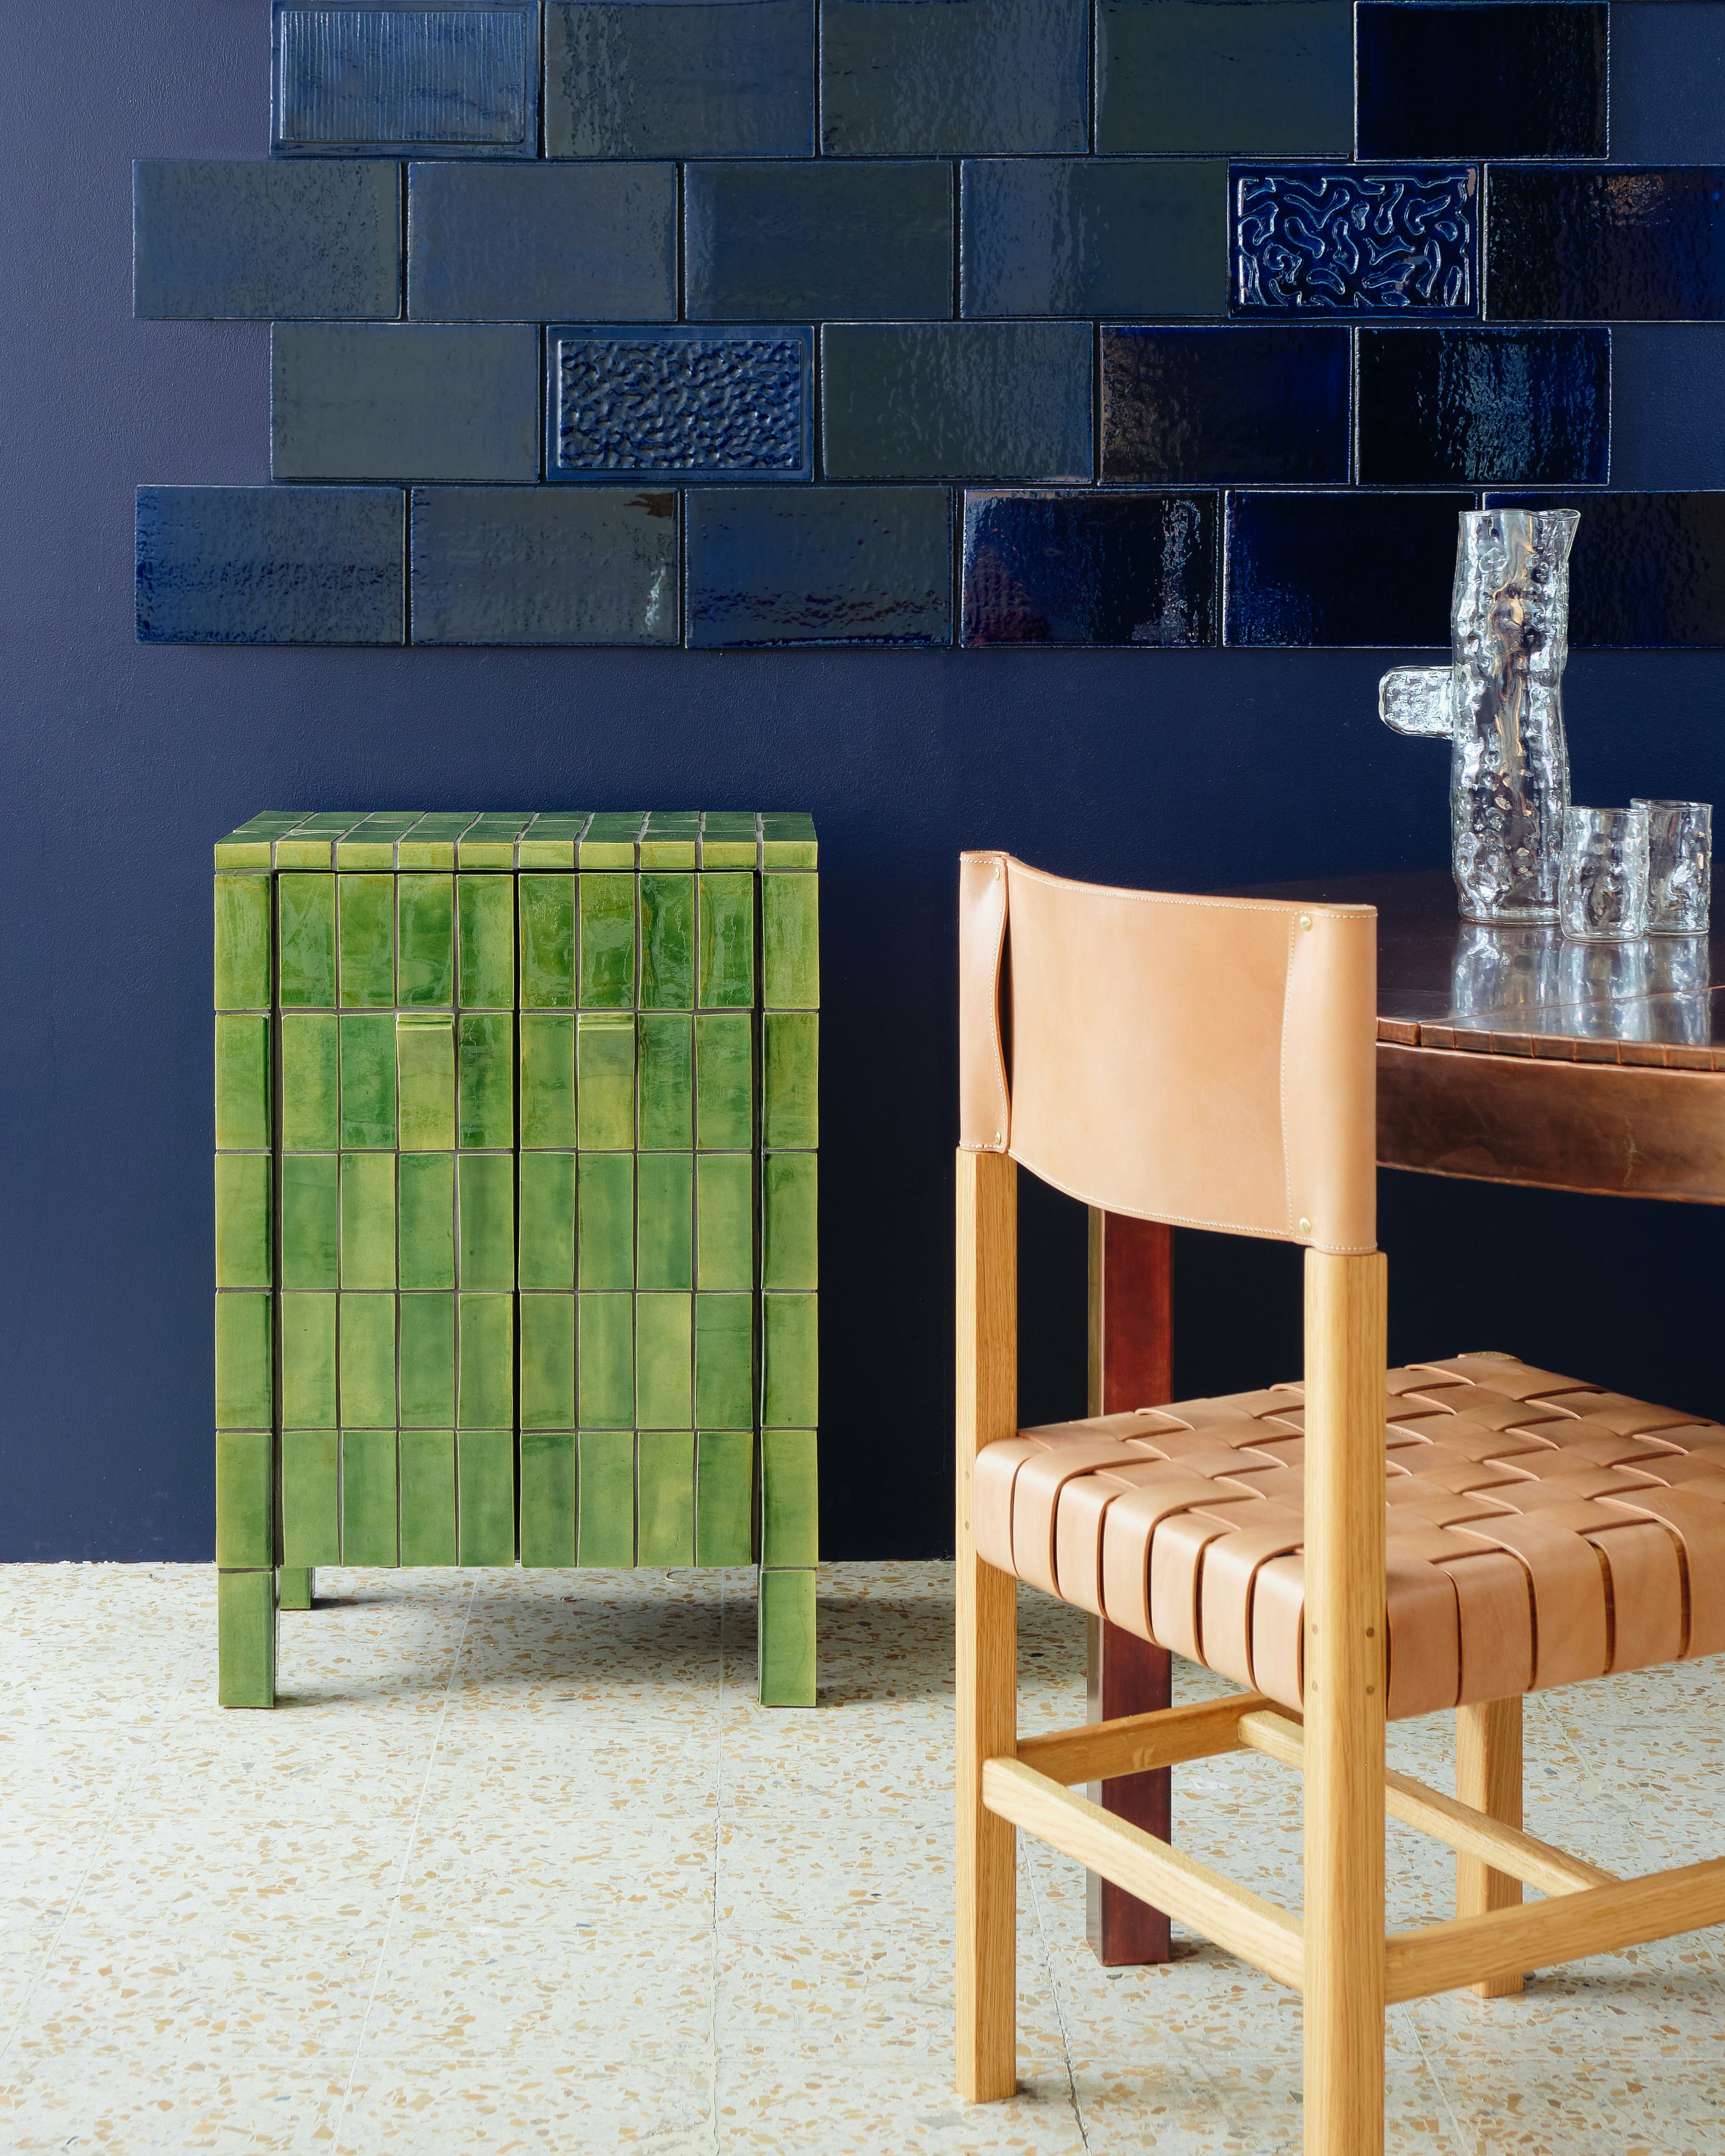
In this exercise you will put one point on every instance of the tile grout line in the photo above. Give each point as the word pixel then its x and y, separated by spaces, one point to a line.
pixel 1056 1986
pixel 712 2076
pixel 1455 2133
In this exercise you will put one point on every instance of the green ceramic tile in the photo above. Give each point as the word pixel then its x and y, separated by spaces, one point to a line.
pixel 310 1220
pixel 546 1250
pixel 606 1364
pixel 242 1219
pixel 667 1084
pixel 605 1084
pixel 425 1065
pixel 607 942
pixel 245 1621
pixel 547 1052
pixel 242 1079
pixel 425 912
pixel 309 1090
pixel 547 1323
pixel 665 1221
pixel 486 1056
pixel 302 848
pixel 431 843
pixel 484 909
pixel 724 1073
pixel 665 1497
pixel 546 908
pixel 244 1388
pixel 251 846
pixel 426 1354
pixel 550 841
pixel 242 981
pixel 727 840
pixel 727 942
pixel 790 1498
pixel 787 1639
pixel 547 1497
pixel 725 1208
pixel 245 1483
pixel 667 942
pixel 365 918
pixel 609 840
pixel 605 1236
pixel 663 1356
pixel 485 1392
pixel 372 844
pixel 426 1181
pixel 306 941
pixel 605 1498
pixel 370 1519
pixel 724 1362
pixel 293 1586
pixel 368 1221
pixel 427 1469
pixel 484 1463
pixel 365 1360
pixel 790 1078
pixel 788 842
pixel 310 1502
pixel 790 942
pixel 486 1209
pixel 789 1220
pixel 790 1362
pixel 368 1081
pixel 308 1361
pixel 724 1497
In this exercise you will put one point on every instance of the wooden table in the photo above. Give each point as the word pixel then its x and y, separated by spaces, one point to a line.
pixel 1504 1055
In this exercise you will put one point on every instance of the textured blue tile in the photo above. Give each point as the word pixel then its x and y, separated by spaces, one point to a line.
pixel 1665 398
pixel 956 400
pixel 270 565
pixel 1093 236
pixel 953 77
pixel 461 79
pixel 1578 244
pixel 1327 238
pixel 542 565
pixel 1531 406
pixel 1273 78
pixel 1365 570
pixel 678 403
pixel 680 79
pixel 232 241
pixel 822 565
pixel 1668 69
pixel 768 241
pixel 1090 568
pixel 408 401
pixel 1223 405
pixel 529 243
pixel 1489 79
pixel 1646 569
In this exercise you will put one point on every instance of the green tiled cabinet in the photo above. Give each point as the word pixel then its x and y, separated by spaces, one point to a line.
pixel 516 1249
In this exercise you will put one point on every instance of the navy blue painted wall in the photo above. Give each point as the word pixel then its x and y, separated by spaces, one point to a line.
pixel 121 764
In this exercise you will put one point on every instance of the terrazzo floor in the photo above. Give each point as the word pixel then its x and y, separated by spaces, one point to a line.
pixel 519 1864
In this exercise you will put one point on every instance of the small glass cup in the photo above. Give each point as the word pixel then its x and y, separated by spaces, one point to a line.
pixel 1679 867
pixel 1602 880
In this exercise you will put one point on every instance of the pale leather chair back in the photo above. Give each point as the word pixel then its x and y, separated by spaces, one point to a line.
pixel 1206 1061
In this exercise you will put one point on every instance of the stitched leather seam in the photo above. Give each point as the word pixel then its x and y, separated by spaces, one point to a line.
pixel 1183 898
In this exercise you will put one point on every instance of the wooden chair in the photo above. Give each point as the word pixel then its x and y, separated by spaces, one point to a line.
pixel 1209 1061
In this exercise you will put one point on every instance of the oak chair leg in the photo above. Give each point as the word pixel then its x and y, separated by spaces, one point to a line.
pixel 1488 1776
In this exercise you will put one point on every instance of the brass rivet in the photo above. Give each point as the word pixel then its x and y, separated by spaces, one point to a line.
pixel 996 869
pixel 1306 921
pixel 1305 1225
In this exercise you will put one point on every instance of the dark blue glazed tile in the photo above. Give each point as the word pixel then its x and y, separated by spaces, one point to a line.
pixel 1350 569
pixel 1355 240
pixel 542 565
pixel 956 400
pixel 822 565
pixel 1575 243
pixel 1506 407
pixel 215 241
pixel 1274 78
pixel 1093 236
pixel 678 403
pixel 1090 569
pixel 457 80
pixel 407 401
pixel 1226 405
pixel 270 565
pixel 680 79
pixel 497 243
pixel 765 242
pixel 1665 398
pixel 953 77
pixel 1489 79
pixel 1646 570
pixel 1667 63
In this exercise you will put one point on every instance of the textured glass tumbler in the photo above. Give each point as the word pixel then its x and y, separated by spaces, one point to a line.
pixel 1602 885
pixel 1679 867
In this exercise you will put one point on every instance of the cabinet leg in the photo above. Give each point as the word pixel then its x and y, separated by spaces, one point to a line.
pixel 296 1587
pixel 245 1621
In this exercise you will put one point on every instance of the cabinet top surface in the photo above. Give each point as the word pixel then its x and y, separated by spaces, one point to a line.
pixel 386 840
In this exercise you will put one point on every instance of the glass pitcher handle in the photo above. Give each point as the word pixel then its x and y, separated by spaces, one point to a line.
pixel 1415 700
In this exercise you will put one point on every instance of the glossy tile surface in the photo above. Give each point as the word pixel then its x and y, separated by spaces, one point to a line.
pixel 220 239
pixel 1355 240
pixel 679 403
pixel 1369 569
pixel 1076 568
pixel 930 78
pixel 1646 569
pixel 1272 79
pixel 459 80
pixel 1094 236
pixel 1502 406
pixel 680 79
pixel 513 565
pixel 842 565
pixel 1192 405
pixel 1504 79
pixel 1571 244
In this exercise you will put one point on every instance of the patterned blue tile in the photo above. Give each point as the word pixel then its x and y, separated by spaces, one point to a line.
pixel 457 80
pixel 1496 78
pixel 1094 236
pixel 270 565
pixel 678 403
pixel 1529 407
pixel 957 400
pixel 497 242
pixel 823 565
pixel 953 77
pixel 1223 405
pixel 1355 240
pixel 404 400
pixel 1646 570
pixel 1272 79
pixel 853 240
pixel 1578 244
pixel 1667 63
pixel 1665 404
pixel 231 241
pixel 1090 569
pixel 542 565
pixel 680 79
pixel 1365 570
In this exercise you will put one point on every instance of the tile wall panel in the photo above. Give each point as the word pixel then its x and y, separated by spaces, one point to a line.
pixel 841 565
pixel 789 243
pixel 1185 405
pixel 1494 406
pixel 1097 568
pixel 1275 79
pixel 1341 569
pixel 1094 236
pixel 254 241
pixel 1505 79
pixel 1646 569
pixel 459 79
pixel 520 564
pixel 270 565
pixel 926 79
pixel 424 401
pixel 680 79
pixel 1578 244
pixel 683 401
